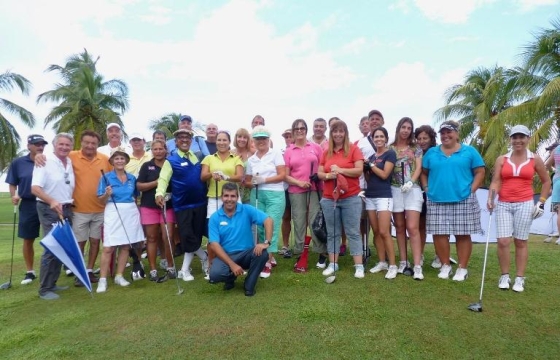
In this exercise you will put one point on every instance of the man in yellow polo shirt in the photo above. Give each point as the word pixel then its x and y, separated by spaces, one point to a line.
pixel 139 154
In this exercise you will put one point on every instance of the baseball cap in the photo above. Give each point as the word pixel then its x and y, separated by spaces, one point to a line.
pixel 260 131
pixel 286 132
pixel 185 118
pixel 110 125
pixel 519 129
pixel 183 131
pixel 36 139
pixel 448 127
pixel 136 136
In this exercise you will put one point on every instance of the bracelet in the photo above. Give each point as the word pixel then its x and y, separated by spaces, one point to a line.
pixel 327 176
pixel 542 199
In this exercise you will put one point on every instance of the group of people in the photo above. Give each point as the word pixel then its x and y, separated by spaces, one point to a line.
pixel 244 195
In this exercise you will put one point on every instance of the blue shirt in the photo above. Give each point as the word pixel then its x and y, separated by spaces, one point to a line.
pixel 198 144
pixel 235 233
pixel 122 192
pixel 450 177
pixel 20 174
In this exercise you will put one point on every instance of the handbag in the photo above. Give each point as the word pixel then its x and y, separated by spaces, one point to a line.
pixel 319 226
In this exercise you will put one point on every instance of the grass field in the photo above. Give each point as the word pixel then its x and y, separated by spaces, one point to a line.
pixel 292 316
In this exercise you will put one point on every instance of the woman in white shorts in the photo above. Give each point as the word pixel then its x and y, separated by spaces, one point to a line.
pixel 407 195
pixel 379 201
pixel 513 181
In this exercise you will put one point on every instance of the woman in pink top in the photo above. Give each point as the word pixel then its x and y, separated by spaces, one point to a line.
pixel 513 181
pixel 302 160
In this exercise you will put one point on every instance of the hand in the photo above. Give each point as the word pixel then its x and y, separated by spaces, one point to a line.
pixel 40 160
pixel 109 190
pixel 259 249
pixel 538 210
pixel 56 206
pixel 335 169
pixel 257 180
pixel 490 204
pixel 304 184
pixel 314 177
pixel 219 175
pixel 407 186
pixel 15 199
pixel 160 201
pixel 236 269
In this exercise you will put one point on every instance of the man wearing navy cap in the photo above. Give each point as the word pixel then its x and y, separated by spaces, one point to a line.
pixel 19 178
pixel 198 145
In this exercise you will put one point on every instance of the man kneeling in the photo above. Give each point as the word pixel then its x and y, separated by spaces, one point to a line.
pixel 231 240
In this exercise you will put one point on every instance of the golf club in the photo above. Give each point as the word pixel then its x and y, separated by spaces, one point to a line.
pixel 8 285
pixel 332 278
pixel 137 266
pixel 165 199
pixel 407 269
pixel 257 207
pixel 477 307
pixel 365 246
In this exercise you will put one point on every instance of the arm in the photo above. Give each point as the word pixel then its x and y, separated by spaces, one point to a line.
pixel 280 175
pixel 217 249
pixel 496 183
pixel 205 174
pixel 163 182
pixel 550 162
pixel 353 172
pixel 418 170
pixel 239 170
pixel 545 179
pixel 386 172
pixel 478 178
pixel 141 183
pixel 14 194
pixel 424 179
pixel 295 182
pixel 41 194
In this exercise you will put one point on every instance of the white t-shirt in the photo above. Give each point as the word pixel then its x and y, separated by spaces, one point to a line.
pixel 107 149
pixel 367 150
pixel 266 167
pixel 53 178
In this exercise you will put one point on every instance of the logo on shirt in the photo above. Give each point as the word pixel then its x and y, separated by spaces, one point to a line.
pixel 151 167
pixel 223 223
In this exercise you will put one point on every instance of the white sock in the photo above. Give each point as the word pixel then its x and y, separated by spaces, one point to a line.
pixel 89 270
pixel 201 254
pixel 187 262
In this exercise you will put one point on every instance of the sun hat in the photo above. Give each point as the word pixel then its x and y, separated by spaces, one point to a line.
pixel 119 151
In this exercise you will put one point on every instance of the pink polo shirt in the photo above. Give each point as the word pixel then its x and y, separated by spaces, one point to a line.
pixel 302 162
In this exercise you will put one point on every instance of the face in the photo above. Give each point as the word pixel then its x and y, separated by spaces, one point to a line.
pixel 338 136
pixel 89 145
pixel 211 131
pixel 288 139
pixel 119 162
pixel 185 125
pixel 257 120
pixel 379 139
pixel 62 147
pixel 423 140
pixel 159 137
pixel 183 142
pixel 262 143
pixel 158 151
pixel 299 131
pixel 137 144
pixel 376 121
pixel 35 149
pixel 364 127
pixel 519 141
pixel 114 134
pixel 222 143
pixel 229 198
pixel 405 130
pixel 242 141
pixel 448 137
pixel 319 128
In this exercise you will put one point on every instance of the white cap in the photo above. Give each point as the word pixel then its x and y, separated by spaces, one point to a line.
pixel 519 129
pixel 110 125
pixel 136 136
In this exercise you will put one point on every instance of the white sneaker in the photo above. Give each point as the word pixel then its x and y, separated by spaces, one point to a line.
pixel 102 285
pixel 461 274
pixel 418 273
pixel 359 274
pixel 163 265
pixel 403 265
pixel 519 284
pixel 186 275
pixel 322 262
pixel 205 268
pixel 380 266
pixel 436 264
pixel 445 272
pixel 330 269
pixel 119 280
pixel 557 242
pixel 391 272
pixel 504 282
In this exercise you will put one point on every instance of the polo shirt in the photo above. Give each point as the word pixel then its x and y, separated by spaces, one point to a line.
pixel 338 158
pixel 150 172
pixel 228 167
pixel 20 174
pixel 88 173
pixel 302 163
pixel 52 179
pixel 133 166
pixel 266 167
pixel 122 192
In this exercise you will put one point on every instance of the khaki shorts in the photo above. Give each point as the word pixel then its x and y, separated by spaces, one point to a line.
pixel 87 225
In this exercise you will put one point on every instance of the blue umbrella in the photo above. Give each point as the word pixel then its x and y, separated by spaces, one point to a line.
pixel 62 243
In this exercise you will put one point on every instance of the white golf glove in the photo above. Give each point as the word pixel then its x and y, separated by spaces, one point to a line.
pixel 538 210
pixel 257 180
pixel 407 186
pixel 362 194
pixel 222 175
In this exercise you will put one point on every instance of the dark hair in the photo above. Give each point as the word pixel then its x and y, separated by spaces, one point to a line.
pixel 296 121
pixel 429 131
pixel 320 120
pixel 92 134
pixel 334 118
pixel 257 117
pixel 229 186
pixel 224 132
pixel 375 112
pixel 159 132
pixel 159 142
pixel 382 129
pixel 410 140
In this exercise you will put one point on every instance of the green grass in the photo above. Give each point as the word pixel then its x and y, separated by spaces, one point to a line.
pixel 292 316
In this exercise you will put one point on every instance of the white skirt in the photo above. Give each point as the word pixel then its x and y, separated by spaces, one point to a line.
pixel 113 232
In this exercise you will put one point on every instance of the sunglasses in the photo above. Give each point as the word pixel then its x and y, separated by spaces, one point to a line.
pixel 261 138
pixel 66 180
pixel 301 128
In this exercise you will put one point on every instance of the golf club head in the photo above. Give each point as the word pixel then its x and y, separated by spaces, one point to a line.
pixel 476 307
pixel 330 279
pixel 6 286
pixel 180 292
pixel 408 271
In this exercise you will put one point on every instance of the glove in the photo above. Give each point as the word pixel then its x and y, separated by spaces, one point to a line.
pixel 222 175
pixel 367 166
pixel 538 210
pixel 257 180
pixel 314 177
pixel 407 186
pixel 362 194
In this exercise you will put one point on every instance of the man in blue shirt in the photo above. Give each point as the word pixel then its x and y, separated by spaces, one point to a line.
pixel 198 145
pixel 19 177
pixel 231 239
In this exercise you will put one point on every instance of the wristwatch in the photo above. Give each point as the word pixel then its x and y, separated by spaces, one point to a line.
pixel 267 242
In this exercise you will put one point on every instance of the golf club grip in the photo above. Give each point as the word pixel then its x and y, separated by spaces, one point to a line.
pixel 402 171
pixel 492 196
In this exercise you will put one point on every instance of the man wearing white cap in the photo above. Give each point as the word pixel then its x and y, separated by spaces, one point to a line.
pixel 114 135
pixel 139 154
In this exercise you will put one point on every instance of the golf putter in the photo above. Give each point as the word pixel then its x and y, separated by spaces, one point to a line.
pixel 165 199
pixel 8 284
pixel 332 278
pixel 407 269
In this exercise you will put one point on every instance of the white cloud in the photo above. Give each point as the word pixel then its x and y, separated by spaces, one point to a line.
pixel 453 12
pixel 528 5
pixel 158 15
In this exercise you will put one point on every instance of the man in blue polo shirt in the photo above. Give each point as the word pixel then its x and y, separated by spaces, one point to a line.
pixel 198 145
pixel 19 177
pixel 231 239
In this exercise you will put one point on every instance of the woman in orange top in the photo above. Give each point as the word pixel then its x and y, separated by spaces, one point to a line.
pixel 513 181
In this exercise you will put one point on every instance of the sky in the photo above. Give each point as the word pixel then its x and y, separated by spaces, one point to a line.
pixel 224 62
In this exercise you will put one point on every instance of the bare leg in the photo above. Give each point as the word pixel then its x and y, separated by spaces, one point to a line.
pixel 464 249
pixel 503 254
pixel 28 253
pixel 441 243
pixel 521 256
pixel 93 252
pixel 152 235
pixel 412 224
pixel 286 227
pixel 106 256
pixel 123 258
pixel 400 228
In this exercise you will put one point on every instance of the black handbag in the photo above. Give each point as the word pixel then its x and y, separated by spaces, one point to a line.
pixel 319 226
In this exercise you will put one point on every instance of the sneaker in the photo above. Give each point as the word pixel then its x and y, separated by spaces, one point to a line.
pixel 283 250
pixel 96 271
pixel 557 242
pixel 445 272
pixel 330 269
pixel 418 273
pixel 265 273
pixel 92 278
pixel 504 282
pixel 519 284
pixel 153 275
pixel 163 264
pixel 186 276
pixel 29 277
pixel 322 263
pixel 359 274
pixel 273 262
pixel 548 239
pixel 136 275
pixel 205 269
pixel 120 280
pixel 380 266
pixel 288 254
pixel 391 272
pixel 102 285
pixel 342 250
pixel 461 274
pixel 171 274
pixel 403 265
pixel 77 282
pixel 69 272
pixel 436 264
pixel 49 295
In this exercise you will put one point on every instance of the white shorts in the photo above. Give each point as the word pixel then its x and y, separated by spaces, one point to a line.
pixel 379 204
pixel 514 219
pixel 411 200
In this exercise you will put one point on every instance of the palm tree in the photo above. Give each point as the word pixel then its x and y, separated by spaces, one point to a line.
pixel 9 137
pixel 170 123
pixel 84 100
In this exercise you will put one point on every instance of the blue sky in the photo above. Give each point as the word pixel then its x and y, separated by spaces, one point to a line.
pixel 226 61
